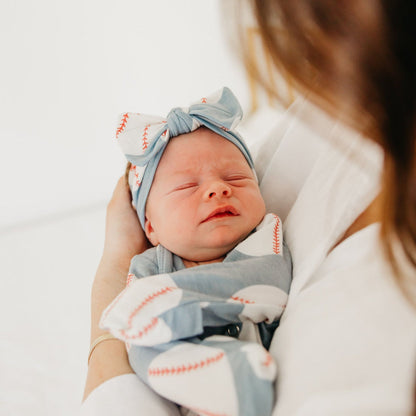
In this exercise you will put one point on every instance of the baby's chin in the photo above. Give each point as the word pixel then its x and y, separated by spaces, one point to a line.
pixel 211 254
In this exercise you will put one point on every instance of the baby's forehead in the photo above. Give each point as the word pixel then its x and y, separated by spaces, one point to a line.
pixel 188 152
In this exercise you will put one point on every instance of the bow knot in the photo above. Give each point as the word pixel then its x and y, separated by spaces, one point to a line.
pixel 179 122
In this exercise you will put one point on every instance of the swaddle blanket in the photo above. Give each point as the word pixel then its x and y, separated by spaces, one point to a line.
pixel 143 138
pixel 161 316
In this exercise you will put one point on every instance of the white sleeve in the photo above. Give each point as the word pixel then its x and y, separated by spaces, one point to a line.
pixel 126 395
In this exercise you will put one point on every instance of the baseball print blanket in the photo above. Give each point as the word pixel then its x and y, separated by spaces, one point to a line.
pixel 167 312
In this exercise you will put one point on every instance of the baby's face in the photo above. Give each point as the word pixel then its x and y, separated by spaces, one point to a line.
pixel 204 198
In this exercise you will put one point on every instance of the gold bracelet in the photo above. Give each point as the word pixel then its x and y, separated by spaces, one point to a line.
pixel 98 340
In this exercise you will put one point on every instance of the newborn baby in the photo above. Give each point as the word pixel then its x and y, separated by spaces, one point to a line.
pixel 201 306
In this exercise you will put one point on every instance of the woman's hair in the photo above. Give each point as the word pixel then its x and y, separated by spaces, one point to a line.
pixel 356 59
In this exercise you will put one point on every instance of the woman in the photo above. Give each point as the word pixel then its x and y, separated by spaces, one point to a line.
pixel 347 342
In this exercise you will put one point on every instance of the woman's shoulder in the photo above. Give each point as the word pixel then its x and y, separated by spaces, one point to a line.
pixel 350 324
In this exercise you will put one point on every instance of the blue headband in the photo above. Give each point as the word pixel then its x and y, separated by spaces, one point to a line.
pixel 143 138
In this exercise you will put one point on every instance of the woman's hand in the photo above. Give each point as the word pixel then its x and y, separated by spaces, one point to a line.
pixel 124 238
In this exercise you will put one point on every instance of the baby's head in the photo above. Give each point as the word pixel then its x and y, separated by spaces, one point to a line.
pixel 204 198
pixel 192 179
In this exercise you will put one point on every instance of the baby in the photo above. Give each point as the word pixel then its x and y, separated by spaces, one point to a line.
pixel 196 334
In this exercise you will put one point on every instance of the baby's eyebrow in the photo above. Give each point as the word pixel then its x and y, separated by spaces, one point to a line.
pixel 184 171
pixel 178 177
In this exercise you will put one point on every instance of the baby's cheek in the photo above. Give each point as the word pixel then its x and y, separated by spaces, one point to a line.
pixel 256 203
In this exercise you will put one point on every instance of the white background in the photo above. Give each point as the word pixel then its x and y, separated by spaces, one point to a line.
pixel 67 69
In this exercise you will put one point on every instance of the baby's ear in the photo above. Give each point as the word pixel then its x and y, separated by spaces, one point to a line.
pixel 150 232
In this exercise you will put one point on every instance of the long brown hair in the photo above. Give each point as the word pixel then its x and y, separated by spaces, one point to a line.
pixel 356 59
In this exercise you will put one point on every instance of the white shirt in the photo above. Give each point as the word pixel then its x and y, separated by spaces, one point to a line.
pixel 346 344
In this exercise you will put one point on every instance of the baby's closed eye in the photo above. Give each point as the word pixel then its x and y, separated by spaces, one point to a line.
pixel 188 185
pixel 237 180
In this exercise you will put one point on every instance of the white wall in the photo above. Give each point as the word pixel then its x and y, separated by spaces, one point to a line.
pixel 69 67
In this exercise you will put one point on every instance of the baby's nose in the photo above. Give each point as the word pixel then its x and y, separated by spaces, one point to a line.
pixel 217 189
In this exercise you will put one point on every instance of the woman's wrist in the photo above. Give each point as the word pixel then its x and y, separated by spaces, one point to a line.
pixel 108 360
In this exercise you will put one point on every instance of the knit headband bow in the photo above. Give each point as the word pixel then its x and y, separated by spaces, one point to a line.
pixel 143 138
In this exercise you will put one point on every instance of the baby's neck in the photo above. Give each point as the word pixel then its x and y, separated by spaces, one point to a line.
pixel 190 263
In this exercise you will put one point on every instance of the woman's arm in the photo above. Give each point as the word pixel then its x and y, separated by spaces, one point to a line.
pixel 124 238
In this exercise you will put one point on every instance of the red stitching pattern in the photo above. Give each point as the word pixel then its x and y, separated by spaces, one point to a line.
pixel 276 236
pixel 268 360
pixel 242 300
pixel 150 298
pixel 122 124
pixel 144 331
pixel 184 368
pixel 130 278
pixel 145 143
pixel 132 167
pixel 204 100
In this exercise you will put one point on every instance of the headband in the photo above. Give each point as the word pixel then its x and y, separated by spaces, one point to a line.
pixel 143 138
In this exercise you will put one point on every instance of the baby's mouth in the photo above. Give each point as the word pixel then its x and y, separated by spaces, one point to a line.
pixel 226 211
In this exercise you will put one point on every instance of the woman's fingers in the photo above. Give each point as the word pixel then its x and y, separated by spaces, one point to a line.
pixel 121 194
pixel 124 236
